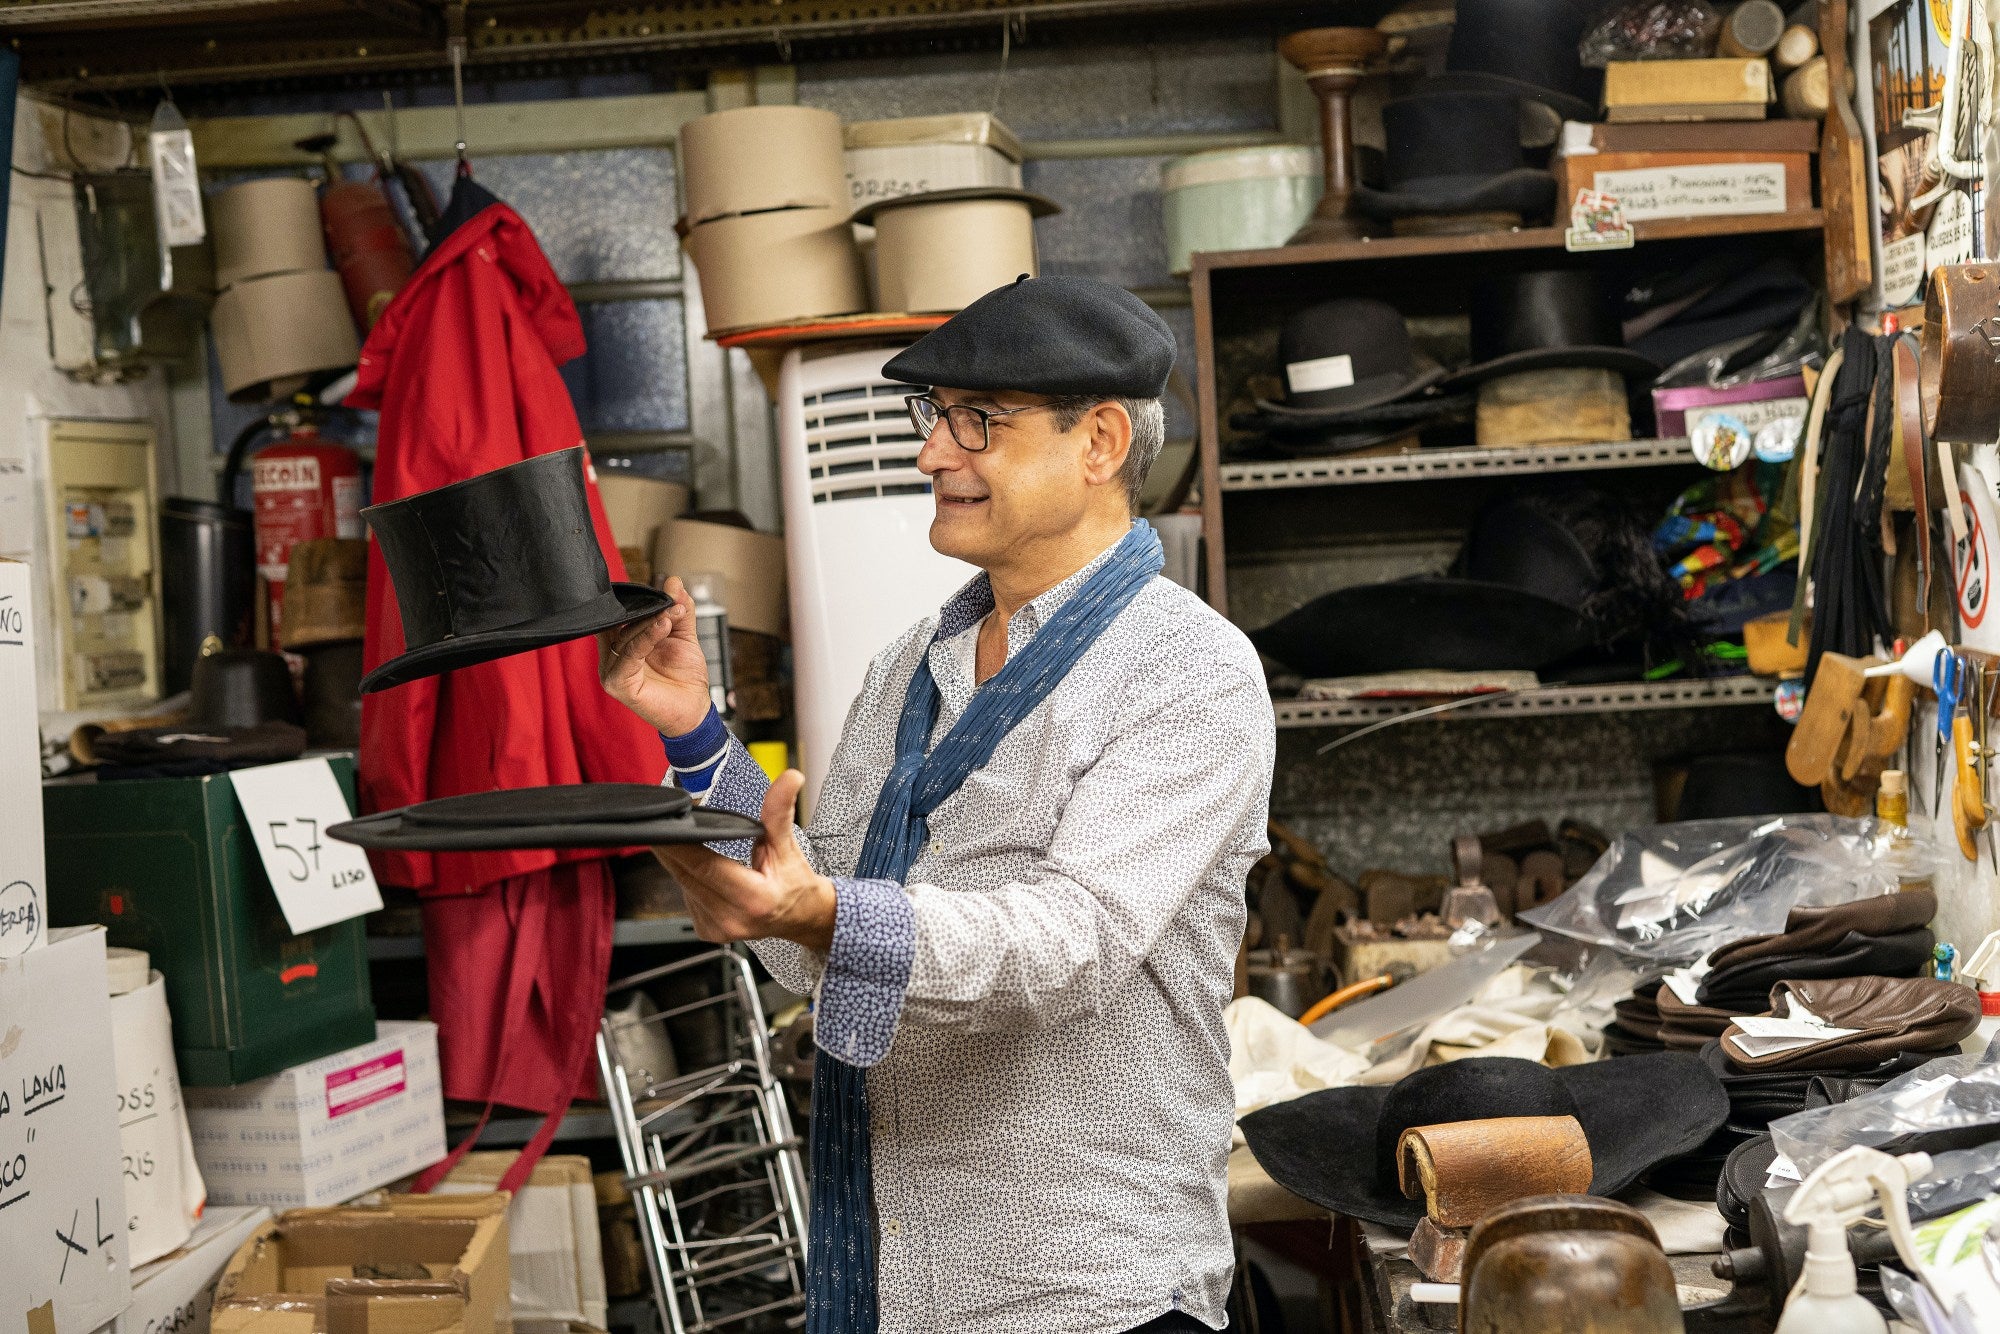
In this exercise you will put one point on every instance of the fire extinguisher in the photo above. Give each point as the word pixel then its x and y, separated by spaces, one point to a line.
pixel 301 488
pixel 367 244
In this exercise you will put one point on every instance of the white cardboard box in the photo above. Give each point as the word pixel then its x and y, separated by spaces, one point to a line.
pixel 173 1294
pixel 23 888
pixel 326 1131
pixel 62 1194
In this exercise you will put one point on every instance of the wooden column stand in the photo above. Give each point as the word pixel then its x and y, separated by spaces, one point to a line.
pixel 1333 61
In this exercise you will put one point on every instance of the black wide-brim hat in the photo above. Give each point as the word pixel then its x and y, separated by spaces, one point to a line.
pixel 1455 152
pixel 498 564
pixel 1523 190
pixel 1437 624
pixel 577 815
pixel 1337 1147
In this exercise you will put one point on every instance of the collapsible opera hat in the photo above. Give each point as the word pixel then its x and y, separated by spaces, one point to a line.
pixel 1346 357
pixel 498 564
pixel 577 815
pixel 1337 1147
pixel 1527 48
pixel 1545 319
pixel 1455 152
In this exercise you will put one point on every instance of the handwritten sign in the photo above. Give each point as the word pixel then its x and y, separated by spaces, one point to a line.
pixel 23 901
pixel 289 807
pixel 1697 192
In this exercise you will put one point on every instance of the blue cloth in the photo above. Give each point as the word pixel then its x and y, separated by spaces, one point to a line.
pixel 695 756
pixel 840 1235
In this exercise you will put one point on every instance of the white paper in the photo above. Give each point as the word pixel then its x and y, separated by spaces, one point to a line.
pixel 1683 985
pixel 1903 268
pixel 1949 240
pixel 1707 190
pixel 289 807
pixel 1309 377
pixel 23 887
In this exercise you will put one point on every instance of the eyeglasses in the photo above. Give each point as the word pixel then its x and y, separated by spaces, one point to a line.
pixel 971 427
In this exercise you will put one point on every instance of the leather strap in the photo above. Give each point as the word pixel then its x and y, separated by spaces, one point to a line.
pixel 1464 1170
pixel 1910 445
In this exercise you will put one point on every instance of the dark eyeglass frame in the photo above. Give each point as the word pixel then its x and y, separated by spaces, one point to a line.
pixel 944 413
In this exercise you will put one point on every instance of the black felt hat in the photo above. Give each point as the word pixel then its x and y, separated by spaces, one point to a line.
pixel 1527 48
pixel 578 815
pixel 1455 152
pixel 498 564
pixel 1337 1147
pixel 1345 357
pixel 1055 335
pixel 1543 319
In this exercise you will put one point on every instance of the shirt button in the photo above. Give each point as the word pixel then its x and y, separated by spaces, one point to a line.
pixel 880 1125
pixel 892 1227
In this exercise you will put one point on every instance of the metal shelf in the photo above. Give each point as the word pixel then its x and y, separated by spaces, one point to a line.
pixel 1619 697
pixel 1425 464
pixel 643 931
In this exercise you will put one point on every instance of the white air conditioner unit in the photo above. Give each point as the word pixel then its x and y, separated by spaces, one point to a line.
pixel 857 531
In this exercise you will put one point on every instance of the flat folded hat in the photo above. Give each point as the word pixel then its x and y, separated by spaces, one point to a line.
pixel 1744 986
pixel 1345 357
pixel 1454 152
pixel 1337 1147
pixel 577 815
pixel 1544 319
pixel 1888 1015
pixel 498 564
pixel 1809 930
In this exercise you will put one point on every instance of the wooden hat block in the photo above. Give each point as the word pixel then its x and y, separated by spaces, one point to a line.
pixel 1333 61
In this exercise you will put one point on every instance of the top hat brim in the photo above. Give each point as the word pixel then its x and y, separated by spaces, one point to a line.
pixel 1433 624
pixel 1568 106
pixel 1523 190
pixel 1349 411
pixel 1636 1111
pixel 525 819
pixel 1621 359
pixel 623 604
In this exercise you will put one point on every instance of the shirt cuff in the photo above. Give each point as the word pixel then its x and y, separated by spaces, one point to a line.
pixel 867 970
pixel 736 784
pixel 694 757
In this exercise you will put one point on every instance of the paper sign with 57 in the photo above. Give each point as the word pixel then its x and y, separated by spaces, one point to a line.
pixel 319 881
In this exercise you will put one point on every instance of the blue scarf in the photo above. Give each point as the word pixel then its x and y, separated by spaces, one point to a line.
pixel 840 1235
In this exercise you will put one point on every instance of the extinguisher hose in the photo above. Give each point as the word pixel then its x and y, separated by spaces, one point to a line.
pixel 232 466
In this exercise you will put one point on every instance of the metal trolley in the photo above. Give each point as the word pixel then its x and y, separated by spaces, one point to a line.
pixel 713 1163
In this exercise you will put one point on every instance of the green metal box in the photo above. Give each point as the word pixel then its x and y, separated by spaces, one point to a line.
pixel 168 866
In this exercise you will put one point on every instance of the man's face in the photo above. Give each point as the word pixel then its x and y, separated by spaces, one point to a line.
pixel 1030 481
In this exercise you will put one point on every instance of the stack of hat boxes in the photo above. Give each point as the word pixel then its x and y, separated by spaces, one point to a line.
pixel 280 313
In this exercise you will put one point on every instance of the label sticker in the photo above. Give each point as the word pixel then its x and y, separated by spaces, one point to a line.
pixel 365 1084
pixel 1597 222
pixel 1310 377
pixel 1709 190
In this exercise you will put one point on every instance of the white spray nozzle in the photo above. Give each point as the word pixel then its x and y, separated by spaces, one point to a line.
pixel 1916 662
pixel 1984 965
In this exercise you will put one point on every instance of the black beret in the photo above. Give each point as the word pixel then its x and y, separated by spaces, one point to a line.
pixel 1052 336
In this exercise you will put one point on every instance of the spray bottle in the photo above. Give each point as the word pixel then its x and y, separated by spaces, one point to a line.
pixel 1841 1191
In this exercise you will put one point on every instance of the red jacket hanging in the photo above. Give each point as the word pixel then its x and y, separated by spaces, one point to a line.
pixel 462 365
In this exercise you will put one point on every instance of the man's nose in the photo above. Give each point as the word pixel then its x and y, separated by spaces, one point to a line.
pixel 940 451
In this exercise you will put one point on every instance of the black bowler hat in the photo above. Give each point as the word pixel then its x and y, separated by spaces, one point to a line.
pixel 1056 335
pixel 1527 48
pixel 1455 152
pixel 1337 1147
pixel 1541 319
pixel 577 815
pixel 498 564
pixel 1345 357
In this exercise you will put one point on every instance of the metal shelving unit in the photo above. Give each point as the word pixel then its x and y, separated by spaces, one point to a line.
pixel 646 931
pixel 1427 464
pixel 1617 697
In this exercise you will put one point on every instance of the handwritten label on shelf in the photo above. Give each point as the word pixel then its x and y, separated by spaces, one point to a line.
pixel 319 881
pixel 1706 191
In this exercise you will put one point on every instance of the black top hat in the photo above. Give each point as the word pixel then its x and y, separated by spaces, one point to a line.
pixel 498 564
pixel 1528 48
pixel 1344 357
pixel 578 815
pixel 1540 319
pixel 1455 152
pixel 240 688
pixel 1337 1147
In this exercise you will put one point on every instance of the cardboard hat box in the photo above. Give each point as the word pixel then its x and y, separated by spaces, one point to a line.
pixel 637 505
pixel 918 154
pixel 63 1254
pixel 265 227
pixel 1721 88
pixel 168 866
pixel 297 1274
pixel 24 906
pixel 754 159
pixel 272 333
pixel 771 268
pixel 752 566
pixel 553 1244
pixel 174 1294
pixel 328 1130
pixel 945 254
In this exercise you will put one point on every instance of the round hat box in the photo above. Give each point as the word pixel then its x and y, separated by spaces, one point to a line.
pixel 1237 199
pixel 265 227
pixel 943 250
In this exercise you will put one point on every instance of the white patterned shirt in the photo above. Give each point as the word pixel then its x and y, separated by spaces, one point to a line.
pixel 1041 1006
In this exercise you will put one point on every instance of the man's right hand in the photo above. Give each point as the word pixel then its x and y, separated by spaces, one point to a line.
pixel 656 668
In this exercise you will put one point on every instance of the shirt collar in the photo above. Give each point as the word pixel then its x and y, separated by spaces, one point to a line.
pixel 975 600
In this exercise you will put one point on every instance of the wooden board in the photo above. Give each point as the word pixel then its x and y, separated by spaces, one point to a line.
pixel 1843 187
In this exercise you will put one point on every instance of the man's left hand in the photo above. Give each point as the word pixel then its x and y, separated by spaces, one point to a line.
pixel 778 896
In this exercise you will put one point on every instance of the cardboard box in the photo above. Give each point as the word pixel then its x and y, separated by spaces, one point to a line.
pixel 24 905
pixel 1689 185
pixel 769 268
pixel 752 566
pixel 326 1131
pixel 296 1274
pixel 1783 135
pixel 272 333
pixel 168 866
pixel 63 1257
pixel 173 1294
pixel 894 170
pixel 945 256
pixel 1725 88
pixel 751 160
pixel 553 1245
pixel 1673 407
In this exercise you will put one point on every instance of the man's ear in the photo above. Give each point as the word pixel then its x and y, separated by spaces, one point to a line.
pixel 1108 442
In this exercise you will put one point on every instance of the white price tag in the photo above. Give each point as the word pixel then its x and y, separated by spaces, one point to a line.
pixel 319 880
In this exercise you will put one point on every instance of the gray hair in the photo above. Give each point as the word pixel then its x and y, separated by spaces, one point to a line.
pixel 1149 433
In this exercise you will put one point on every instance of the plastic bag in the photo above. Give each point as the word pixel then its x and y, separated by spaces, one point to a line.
pixel 1755 357
pixel 1670 893
pixel 1949 1104
pixel 1651 30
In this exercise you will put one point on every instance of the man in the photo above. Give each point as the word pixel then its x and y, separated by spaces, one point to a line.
pixel 1021 895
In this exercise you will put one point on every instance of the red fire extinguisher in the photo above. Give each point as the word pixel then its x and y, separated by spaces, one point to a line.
pixel 301 488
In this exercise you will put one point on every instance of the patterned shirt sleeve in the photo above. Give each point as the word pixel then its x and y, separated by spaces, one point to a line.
pixel 867 971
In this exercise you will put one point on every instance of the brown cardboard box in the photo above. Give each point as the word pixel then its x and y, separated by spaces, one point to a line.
pixel 944 256
pixel 272 333
pixel 292 1273
pixel 553 1246
pixel 1726 88
pixel 1683 185
pixel 769 268
pixel 752 566
pixel 753 159
pixel 1721 136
